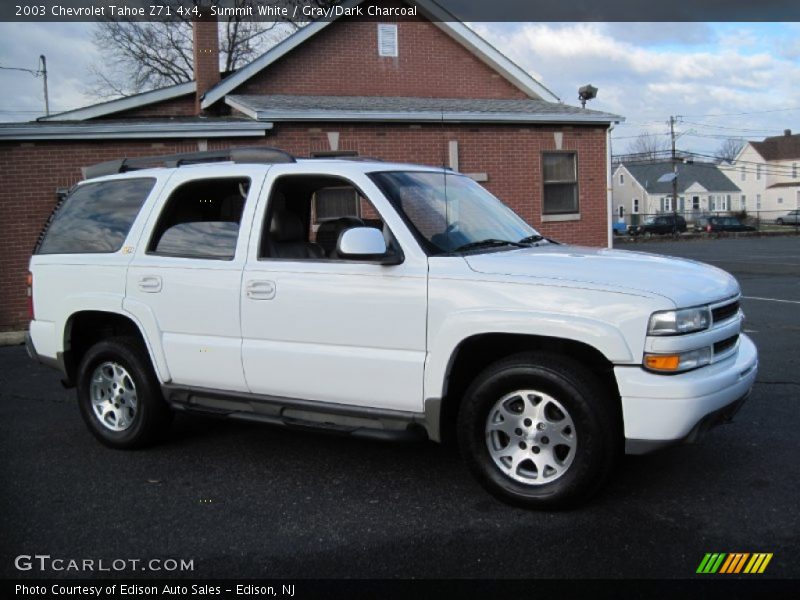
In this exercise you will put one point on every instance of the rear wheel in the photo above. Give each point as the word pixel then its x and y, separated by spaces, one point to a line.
pixel 538 430
pixel 119 395
pixel 779 221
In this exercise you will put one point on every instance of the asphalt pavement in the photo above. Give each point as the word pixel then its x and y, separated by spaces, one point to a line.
pixel 244 500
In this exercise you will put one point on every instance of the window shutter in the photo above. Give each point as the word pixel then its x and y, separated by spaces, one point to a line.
pixel 387 39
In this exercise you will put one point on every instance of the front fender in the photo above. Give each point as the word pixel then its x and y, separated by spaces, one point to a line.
pixel 460 326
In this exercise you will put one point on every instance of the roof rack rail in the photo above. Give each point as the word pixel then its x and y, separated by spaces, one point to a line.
pixel 251 155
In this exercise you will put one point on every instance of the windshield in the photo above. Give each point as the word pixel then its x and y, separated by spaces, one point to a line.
pixel 448 211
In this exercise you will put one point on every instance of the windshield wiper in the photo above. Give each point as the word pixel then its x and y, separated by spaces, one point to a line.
pixel 488 243
pixel 532 239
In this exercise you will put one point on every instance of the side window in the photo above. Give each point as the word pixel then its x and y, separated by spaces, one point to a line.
pixel 96 217
pixel 306 214
pixel 201 219
pixel 560 181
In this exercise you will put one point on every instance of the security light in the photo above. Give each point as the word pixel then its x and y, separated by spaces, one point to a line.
pixel 587 92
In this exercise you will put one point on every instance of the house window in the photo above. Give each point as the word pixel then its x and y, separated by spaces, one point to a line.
pixel 780 200
pixel 758 172
pixel 744 174
pixel 387 39
pixel 560 183
pixel 758 201
pixel 743 202
pixel 682 204
pixel 666 204
pixel 636 205
pixel 794 170
pixel 695 203
pixel 712 202
pixel 335 203
pixel 727 203
pixel 622 178
pixel 621 212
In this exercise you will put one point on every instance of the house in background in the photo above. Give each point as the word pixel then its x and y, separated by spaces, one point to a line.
pixel 645 189
pixel 768 173
pixel 421 89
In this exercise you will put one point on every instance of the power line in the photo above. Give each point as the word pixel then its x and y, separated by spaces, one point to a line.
pixel 756 112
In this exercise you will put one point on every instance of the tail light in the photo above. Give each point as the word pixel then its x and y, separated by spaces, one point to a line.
pixel 708 228
pixel 30 296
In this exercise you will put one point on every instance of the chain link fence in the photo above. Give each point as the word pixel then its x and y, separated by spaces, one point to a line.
pixel 706 222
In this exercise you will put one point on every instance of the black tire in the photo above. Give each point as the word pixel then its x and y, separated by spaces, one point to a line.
pixel 596 419
pixel 779 221
pixel 151 417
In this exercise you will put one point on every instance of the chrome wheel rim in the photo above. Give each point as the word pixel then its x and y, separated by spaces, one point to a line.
pixel 113 396
pixel 531 437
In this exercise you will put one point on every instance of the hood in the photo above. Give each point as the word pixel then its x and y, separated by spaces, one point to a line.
pixel 685 282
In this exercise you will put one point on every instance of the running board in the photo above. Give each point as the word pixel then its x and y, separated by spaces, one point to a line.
pixel 306 415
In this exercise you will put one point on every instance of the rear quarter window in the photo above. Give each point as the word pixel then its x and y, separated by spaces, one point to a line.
pixel 96 217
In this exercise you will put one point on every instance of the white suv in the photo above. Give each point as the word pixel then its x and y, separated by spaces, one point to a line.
pixel 382 300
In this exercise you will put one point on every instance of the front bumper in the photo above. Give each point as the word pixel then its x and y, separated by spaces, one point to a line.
pixel 663 409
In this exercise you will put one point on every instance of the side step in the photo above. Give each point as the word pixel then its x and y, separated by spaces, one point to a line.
pixel 304 415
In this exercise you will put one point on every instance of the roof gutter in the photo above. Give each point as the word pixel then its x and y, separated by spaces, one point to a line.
pixel 426 116
pixel 82 131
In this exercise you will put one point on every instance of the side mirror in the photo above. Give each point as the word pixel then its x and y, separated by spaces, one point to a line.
pixel 365 243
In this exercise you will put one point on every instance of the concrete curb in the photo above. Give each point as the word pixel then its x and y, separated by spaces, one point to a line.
pixel 12 338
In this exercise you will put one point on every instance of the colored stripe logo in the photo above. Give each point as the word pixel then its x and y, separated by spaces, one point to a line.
pixel 734 563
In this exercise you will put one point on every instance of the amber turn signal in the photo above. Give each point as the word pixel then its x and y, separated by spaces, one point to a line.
pixel 662 362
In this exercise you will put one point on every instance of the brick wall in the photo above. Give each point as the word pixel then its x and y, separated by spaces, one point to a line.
pixel 510 155
pixel 342 60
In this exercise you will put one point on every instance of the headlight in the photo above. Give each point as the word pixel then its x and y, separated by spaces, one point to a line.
pixel 677 322
pixel 679 362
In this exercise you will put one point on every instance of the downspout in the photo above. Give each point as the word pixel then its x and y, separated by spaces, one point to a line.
pixel 609 211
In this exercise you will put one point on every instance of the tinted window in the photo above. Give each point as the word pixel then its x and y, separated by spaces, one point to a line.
pixel 201 219
pixel 217 239
pixel 96 217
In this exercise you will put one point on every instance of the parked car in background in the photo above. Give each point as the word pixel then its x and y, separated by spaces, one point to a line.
pixel 792 218
pixel 718 224
pixel 619 228
pixel 661 224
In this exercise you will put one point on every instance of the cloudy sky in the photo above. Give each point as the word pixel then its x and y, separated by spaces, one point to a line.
pixel 747 72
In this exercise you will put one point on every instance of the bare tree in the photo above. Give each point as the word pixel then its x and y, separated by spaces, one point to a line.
pixel 138 56
pixel 648 147
pixel 728 149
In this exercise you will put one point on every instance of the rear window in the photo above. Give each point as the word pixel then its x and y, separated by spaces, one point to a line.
pixel 96 217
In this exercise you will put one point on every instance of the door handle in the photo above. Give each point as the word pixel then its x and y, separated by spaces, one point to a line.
pixel 150 284
pixel 260 290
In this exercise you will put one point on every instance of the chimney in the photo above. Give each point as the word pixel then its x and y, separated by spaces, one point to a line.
pixel 787 132
pixel 205 34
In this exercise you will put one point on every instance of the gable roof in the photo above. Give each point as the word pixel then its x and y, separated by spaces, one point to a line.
pixel 779 147
pixel 369 108
pixel 126 103
pixel 438 16
pixel 705 174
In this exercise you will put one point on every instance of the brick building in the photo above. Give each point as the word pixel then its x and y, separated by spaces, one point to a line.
pixel 417 90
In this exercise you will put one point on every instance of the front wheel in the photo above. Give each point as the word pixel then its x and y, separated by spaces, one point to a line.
pixel 119 395
pixel 538 430
pixel 779 221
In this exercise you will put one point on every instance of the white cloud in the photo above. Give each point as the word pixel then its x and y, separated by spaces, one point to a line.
pixel 646 80
pixel 69 51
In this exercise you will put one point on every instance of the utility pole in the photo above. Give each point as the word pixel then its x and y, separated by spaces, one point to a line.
pixel 43 69
pixel 674 176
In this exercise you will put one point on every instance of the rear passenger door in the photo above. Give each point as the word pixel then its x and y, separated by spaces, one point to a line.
pixel 183 282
